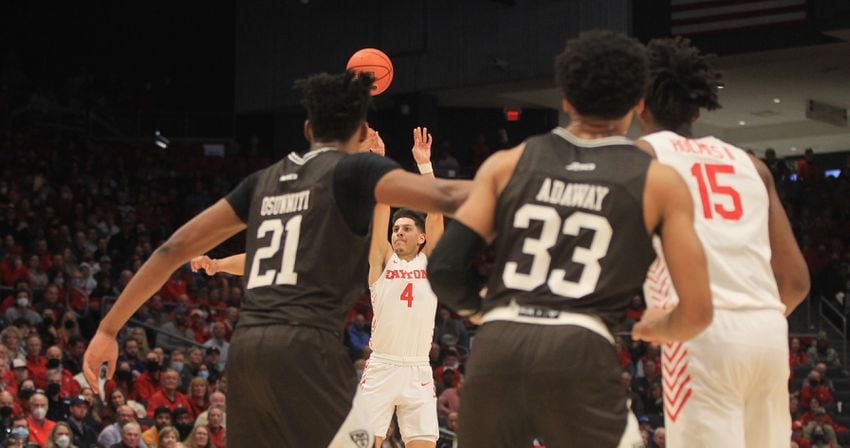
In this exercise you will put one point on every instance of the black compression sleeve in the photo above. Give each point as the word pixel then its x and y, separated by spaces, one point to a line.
pixel 450 270
pixel 355 177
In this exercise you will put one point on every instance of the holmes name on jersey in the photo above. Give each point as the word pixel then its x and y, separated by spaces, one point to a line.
pixel 586 196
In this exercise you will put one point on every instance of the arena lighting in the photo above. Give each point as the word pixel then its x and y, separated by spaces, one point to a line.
pixel 161 141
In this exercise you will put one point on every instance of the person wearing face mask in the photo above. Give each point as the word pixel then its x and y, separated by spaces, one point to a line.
pixel 83 433
pixel 148 383
pixel 37 422
pixel 57 406
pixel 7 402
pixel 70 387
pixel 61 437
pixel 25 392
pixel 19 433
pixel 22 308
pixel 183 422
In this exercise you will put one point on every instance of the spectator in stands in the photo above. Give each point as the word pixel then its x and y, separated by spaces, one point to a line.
pixel 659 438
pixel 654 402
pixel 794 407
pixel 124 381
pixel 217 398
pixel 148 383
pixel 797 435
pixel 84 433
pixel 199 396
pixel 216 427
pixel 824 379
pixel 218 341
pixel 183 423
pixel 192 366
pixel 132 354
pixel 169 396
pixel 57 407
pixel 776 166
pixel 62 437
pixel 814 388
pixel 69 387
pixel 23 309
pixel 448 374
pixel 12 338
pixel 797 354
pixel 167 438
pixel 635 399
pixel 38 423
pixel 449 400
pixel 807 170
pixel 131 436
pixel 358 336
pixel 209 368
pixel 446 326
pixel 819 433
pixel 447 165
pixel 113 434
pixel 199 438
pixel 139 335
pixel 822 352
pixel 161 419
pixel 635 310
pixel 20 429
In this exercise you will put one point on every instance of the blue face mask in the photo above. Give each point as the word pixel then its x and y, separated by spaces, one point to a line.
pixel 21 432
pixel 178 366
pixel 204 374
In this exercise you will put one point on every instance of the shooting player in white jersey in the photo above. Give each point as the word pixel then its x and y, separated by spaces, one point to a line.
pixel 728 386
pixel 398 377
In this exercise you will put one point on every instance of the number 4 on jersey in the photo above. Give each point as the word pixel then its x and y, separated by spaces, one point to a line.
pixel 407 295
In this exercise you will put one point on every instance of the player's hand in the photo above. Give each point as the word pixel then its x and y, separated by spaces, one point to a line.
pixel 421 145
pixel 652 326
pixel 378 145
pixel 209 265
pixel 102 349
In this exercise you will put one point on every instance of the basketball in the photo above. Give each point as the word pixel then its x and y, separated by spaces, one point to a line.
pixel 374 61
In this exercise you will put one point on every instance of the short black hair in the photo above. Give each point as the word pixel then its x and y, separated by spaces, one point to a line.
pixel 602 73
pixel 336 103
pixel 681 81
pixel 417 218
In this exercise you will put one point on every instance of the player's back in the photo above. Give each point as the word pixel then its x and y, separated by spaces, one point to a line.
pixel 295 238
pixel 404 307
pixel 730 217
pixel 570 227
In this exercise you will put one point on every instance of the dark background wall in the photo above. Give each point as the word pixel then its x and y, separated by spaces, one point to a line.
pixel 433 43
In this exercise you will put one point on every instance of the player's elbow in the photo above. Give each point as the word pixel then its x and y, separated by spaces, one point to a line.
pixel 700 313
pixel 793 290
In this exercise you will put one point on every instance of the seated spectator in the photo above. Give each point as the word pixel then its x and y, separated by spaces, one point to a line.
pixel 217 398
pixel 84 434
pixel 148 383
pixel 794 407
pixel 183 423
pixel 822 352
pixel 824 379
pixel 654 402
pixel 447 326
pixel 813 388
pixel 659 438
pixel 69 386
pixel 358 336
pixel 191 368
pixel 635 311
pixel 216 427
pixel 819 433
pixel 131 436
pixel 797 354
pixel 161 419
pixel 449 400
pixel 199 396
pixel 113 434
pixel 168 438
pixel 199 438
pixel 20 431
pixel 450 366
pixel 62 437
pixel 797 435
pixel 169 396
pixel 38 424
pixel 23 309
pixel 634 397
pixel 218 340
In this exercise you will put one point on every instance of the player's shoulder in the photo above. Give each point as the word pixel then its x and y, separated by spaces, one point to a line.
pixel 499 167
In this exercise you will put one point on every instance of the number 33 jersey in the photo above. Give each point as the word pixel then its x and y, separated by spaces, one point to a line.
pixel 570 233
pixel 404 307
pixel 730 218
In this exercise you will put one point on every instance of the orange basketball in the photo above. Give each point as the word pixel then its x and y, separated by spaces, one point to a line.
pixel 374 61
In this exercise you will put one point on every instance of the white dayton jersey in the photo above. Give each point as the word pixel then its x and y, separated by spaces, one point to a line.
pixel 404 307
pixel 730 218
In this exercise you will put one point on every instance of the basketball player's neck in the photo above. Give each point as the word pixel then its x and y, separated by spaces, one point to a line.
pixel 591 128
pixel 407 256
pixel 346 147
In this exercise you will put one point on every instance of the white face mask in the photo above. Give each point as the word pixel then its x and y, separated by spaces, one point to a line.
pixel 23 302
pixel 39 413
pixel 63 441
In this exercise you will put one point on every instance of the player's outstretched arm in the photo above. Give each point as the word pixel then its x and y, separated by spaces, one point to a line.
pixel 422 155
pixel 379 247
pixel 789 266
pixel 234 264
pixel 668 206
pixel 450 271
pixel 205 231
